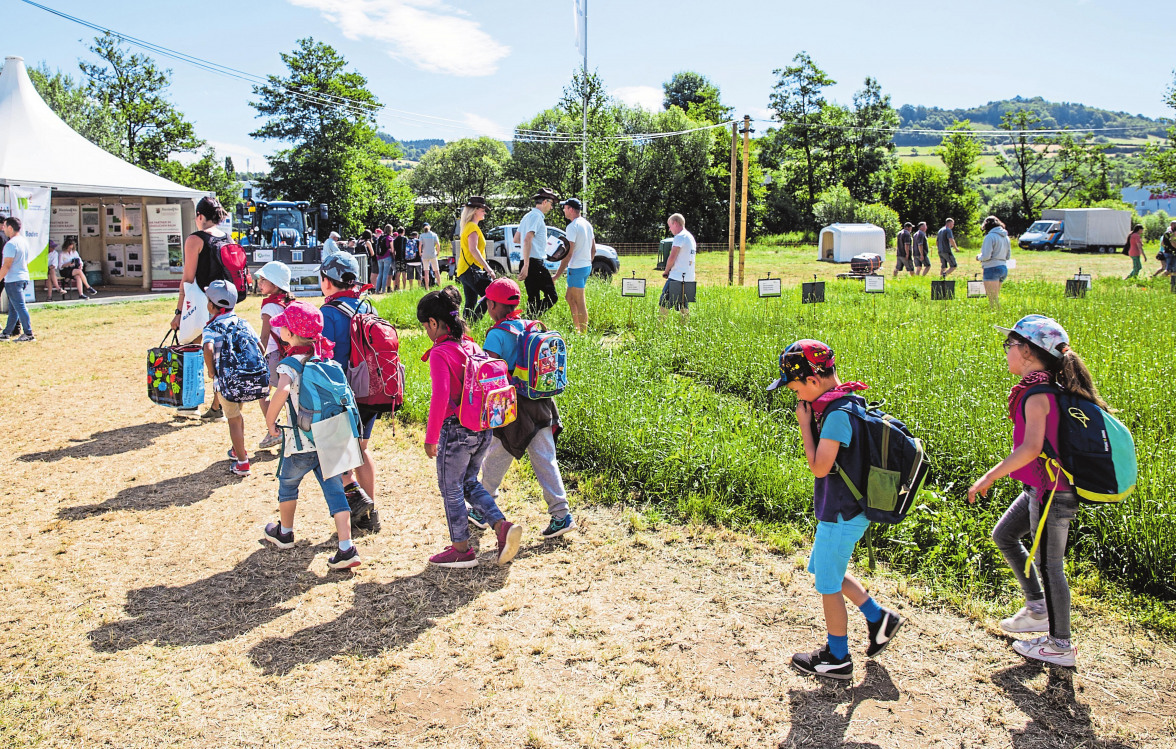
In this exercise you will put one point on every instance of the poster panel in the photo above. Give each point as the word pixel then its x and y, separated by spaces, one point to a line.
pixel 166 246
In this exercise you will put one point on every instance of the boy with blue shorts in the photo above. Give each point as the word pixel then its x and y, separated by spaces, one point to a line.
pixel 807 368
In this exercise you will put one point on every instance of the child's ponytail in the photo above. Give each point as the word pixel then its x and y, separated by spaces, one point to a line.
pixel 1071 374
pixel 444 306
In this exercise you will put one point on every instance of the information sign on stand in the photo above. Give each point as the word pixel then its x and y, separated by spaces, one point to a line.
pixel 976 288
pixel 812 292
pixel 769 287
pixel 875 284
pixel 942 290
pixel 1075 288
pixel 633 286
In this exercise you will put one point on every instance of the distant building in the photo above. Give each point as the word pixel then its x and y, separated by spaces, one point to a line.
pixel 1150 199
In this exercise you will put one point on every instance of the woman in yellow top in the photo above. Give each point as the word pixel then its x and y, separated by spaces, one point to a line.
pixel 472 269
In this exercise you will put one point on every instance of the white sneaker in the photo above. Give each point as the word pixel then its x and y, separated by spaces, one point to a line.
pixel 1025 621
pixel 1044 648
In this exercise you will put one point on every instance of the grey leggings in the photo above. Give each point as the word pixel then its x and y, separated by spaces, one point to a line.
pixel 1020 521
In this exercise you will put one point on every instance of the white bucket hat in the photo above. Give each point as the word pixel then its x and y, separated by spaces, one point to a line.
pixel 276 273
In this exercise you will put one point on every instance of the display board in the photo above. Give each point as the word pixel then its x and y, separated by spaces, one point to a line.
pixel 166 246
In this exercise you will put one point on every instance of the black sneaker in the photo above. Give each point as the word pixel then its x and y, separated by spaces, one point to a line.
pixel 345 560
pixel 557 528
pixel 822 663
pixel 360 504
pixel 882 631
pixel 370 524
pixel 27 338
pixel 273 534
pixel 91 291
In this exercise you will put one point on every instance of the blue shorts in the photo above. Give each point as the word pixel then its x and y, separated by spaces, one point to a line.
pixel 578 277
pixel 832 549
pixel 996 273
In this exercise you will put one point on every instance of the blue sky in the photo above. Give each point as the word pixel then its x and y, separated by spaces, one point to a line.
pixel 486 65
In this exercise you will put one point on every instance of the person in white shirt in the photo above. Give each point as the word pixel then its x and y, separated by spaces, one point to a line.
pixel 65 264
pixel 531 237
pixel 679 273
pixel 331 246
pixel 429 244
pixel 578 262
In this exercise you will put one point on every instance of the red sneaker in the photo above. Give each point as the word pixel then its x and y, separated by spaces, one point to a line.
pixel 240 467
pixel 509 538
pixel 451 557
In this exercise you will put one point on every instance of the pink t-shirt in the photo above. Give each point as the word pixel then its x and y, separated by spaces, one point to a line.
pixel 447 361
pixel 1135 244
pixel 1034 474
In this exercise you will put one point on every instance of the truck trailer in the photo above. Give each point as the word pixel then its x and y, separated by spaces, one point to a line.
pixel 1079 230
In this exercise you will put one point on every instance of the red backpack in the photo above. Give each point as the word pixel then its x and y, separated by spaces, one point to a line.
pixel 374 369
pixel 232 259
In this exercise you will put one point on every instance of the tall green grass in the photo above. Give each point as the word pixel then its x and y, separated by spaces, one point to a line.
pixel 676 413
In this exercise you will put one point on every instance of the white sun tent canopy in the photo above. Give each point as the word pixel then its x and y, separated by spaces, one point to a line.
pixel 840 242
pixel 37 149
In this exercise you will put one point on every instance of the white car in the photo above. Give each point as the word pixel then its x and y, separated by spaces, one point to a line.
pixel 506 257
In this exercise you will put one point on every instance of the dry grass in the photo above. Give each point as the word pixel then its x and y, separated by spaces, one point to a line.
pixel 138 609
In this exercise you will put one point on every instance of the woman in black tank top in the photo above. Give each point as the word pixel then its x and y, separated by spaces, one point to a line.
pixel 201 251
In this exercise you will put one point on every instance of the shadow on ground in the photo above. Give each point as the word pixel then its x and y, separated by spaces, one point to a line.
pixel 382 617
pixel 217 608
pixel 112 441
pixel 817 719
pixel 180 491
pixel 1056 717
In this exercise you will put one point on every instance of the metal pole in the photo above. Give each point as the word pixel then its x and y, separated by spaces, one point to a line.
pixel 731 219
pixel 584 83
pixel 743 205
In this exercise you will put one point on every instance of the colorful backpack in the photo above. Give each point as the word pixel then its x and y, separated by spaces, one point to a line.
pixel 241 371
pixel 488 400
pixel 323 392
pixel 374 369
pixel 541 367
pixel 234 264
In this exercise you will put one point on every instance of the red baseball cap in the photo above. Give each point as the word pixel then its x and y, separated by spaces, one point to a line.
pixel 504 291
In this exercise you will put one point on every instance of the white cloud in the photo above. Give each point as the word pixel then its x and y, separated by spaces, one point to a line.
pixel 425 33
pixel 763 115
pixel 487 126
pixel 646 97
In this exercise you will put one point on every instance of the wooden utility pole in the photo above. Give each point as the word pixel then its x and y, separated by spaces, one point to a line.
pixel 731 220
pixel 743 203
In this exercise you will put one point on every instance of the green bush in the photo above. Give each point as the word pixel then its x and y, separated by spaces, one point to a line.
pixel 883 216
pixel 1154 225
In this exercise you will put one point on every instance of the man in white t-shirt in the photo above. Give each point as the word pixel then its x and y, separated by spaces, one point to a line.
pixel 429 245
pixel 578 262
pixel 679 274
pixel 531 237
pixel 331 246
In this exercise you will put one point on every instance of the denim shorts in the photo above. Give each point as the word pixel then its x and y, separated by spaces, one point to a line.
pixel 578 277
pixel 996 273
pixel 832 549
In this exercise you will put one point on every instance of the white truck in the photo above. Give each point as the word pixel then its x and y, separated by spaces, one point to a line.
pixel 1086 229
pixel 504 253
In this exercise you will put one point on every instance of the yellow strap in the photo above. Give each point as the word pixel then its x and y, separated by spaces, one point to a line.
pixel 1057 478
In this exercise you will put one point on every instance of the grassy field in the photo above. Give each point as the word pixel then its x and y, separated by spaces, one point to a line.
pixel 677 415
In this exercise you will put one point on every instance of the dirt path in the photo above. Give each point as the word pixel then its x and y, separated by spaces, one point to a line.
pixel 139 610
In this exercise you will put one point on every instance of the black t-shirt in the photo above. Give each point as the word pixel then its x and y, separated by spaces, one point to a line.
pixel 399 245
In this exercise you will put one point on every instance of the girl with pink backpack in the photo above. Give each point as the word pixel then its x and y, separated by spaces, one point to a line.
pixel 471 395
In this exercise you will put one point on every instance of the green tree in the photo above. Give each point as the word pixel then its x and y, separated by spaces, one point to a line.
pixel 1043 168
pixel 335 156
pixel 208 173
pixel 1160 158
pixel 920 193
pixel 451 173
pixel 960 154
pixel 835 206
pixel 798 103
pixel 695 95
pixel 70 100
pixel 151 128
pixel 868 147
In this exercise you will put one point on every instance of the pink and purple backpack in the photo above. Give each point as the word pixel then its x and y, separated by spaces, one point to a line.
pixel 488 398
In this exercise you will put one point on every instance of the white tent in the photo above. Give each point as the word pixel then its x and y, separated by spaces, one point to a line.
pixel 38 149
pixel 840 242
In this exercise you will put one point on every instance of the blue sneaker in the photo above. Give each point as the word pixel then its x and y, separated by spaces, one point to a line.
pixel 557 528
pixel 476 518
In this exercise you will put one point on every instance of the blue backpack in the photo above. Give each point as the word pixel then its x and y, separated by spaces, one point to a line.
pixel 323 392
pixel 241 371
pixel 541 366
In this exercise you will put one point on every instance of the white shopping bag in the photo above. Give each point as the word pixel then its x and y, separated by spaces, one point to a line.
pixel 194 314
pixel 337 445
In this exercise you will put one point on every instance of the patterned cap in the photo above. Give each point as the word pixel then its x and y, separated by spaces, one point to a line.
pixel 339 266
pixel 805 358
pixel 302 319
pixel 1043 332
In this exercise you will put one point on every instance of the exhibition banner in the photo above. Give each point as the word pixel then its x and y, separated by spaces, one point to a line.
pixel 166 246
pixel 31 206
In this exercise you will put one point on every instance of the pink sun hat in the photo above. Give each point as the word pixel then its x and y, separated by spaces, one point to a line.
pixel 302 319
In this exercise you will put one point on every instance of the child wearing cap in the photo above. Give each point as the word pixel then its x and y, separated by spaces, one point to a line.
pixel 808 368
pixel 223 328
pixel 274 281
pixel 459 451
pixel 302 327
pixel 344 296
pixel 534 429
pixel 1037 349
